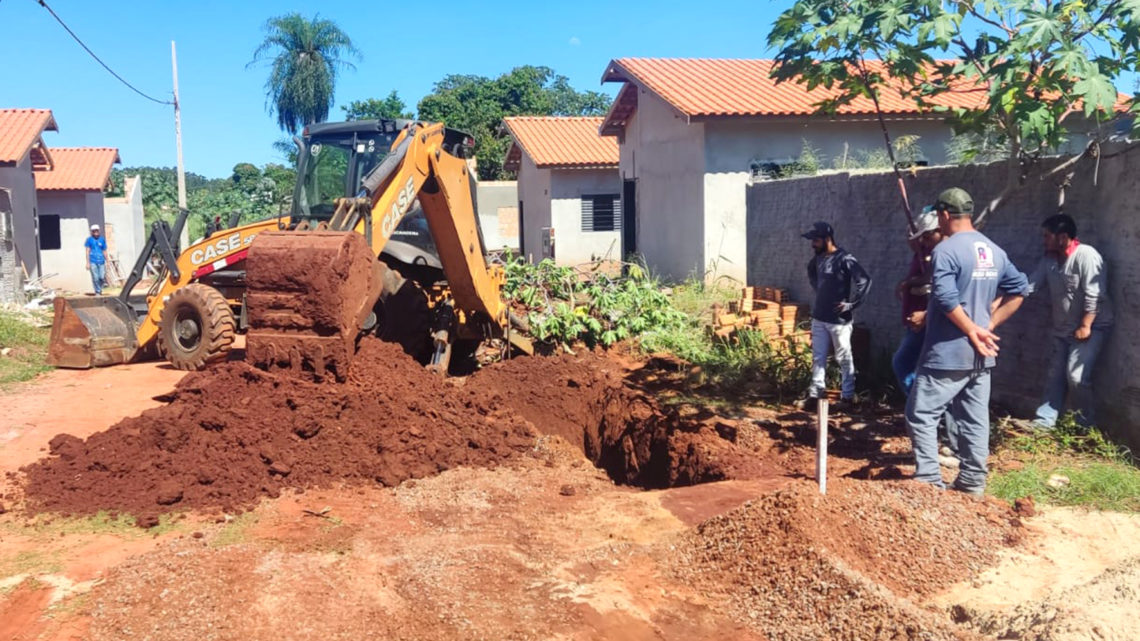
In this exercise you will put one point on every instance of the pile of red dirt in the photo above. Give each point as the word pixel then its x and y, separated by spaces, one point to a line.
pixel 587 399
pixel 798 565
pixel 233 434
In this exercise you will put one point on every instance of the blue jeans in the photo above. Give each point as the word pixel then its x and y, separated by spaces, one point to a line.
pixel 1070 374
pixel 98 273
pixel 905 364
pixel 905 361
pixel 824 337
pixel 966 395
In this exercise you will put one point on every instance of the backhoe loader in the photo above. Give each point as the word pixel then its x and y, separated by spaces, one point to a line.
pixel 308 285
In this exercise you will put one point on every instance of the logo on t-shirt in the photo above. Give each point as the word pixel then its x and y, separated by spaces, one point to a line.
pixel 984 255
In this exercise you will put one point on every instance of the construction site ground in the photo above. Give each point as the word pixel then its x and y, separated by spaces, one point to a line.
pixel 574 497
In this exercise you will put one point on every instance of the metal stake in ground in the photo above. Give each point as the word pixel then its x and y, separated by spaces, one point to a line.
pixel 821 445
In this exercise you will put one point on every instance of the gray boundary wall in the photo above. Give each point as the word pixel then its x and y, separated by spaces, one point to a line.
pixel 866 213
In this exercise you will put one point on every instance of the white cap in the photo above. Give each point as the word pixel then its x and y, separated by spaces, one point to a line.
pixel 924 222
pixel 94 227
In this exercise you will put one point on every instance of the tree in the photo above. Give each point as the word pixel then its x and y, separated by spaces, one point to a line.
pixel 1028 75
pixel 391 108
pixel 477 105
pixel 305 57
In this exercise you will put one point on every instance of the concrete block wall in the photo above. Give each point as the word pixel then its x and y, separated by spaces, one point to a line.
pixel 11 272
pixel 867 216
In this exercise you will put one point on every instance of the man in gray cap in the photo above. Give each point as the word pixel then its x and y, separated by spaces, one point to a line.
pixel 969 273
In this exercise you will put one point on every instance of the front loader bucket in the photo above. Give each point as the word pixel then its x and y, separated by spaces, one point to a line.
pixel 91 332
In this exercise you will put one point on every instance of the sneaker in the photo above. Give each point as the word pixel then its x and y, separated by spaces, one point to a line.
pixel 808 404
pixel 945 450
pixel 949 462
pixel 974 492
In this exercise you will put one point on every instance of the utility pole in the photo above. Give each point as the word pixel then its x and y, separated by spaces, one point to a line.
pixel 184 237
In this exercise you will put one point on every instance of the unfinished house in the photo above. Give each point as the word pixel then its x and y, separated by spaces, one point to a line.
pixel 70 197
pixel 22 152
pixel 693 133
pixel 569 189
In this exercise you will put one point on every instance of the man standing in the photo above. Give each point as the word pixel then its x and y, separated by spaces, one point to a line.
pixel 969 273
pixel 96 258
pixel 914 293
pixel 840 285
pixel 1082 316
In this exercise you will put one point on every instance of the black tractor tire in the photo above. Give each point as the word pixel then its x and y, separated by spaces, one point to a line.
pixel 196 328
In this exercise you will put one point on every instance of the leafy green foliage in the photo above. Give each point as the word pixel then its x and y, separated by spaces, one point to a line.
pixel 392 107
pixel 566 306
pixel 1032 64
pixel 304 58
pixel 477 105
pixel 255 193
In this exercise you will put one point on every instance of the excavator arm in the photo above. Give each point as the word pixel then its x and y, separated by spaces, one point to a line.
pixel 312 292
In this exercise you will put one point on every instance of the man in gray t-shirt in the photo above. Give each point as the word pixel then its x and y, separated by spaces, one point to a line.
pixel 1082 316
pixel 969 273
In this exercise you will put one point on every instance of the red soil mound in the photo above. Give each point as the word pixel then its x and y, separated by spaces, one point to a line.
pixel 233 434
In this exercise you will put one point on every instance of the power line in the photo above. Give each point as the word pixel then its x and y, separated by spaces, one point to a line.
pixel 97 59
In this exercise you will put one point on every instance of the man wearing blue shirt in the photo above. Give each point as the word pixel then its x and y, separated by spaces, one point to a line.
pixel 969 273
pixel 96 258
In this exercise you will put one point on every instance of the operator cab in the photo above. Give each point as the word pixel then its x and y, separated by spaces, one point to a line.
pixel 333 158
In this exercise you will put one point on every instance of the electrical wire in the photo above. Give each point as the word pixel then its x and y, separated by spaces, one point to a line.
pixel 97 59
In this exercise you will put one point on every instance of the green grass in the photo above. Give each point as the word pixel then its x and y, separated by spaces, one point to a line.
pixel 28 344
pixel 1103 485
pixel 51 526
pixel 1101 474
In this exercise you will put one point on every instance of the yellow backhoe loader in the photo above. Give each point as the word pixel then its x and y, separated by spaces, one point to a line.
pixel 307 286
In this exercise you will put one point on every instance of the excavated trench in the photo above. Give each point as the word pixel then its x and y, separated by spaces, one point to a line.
pixel 233 434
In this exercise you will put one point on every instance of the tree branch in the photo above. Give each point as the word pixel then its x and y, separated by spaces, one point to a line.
pixel 990 21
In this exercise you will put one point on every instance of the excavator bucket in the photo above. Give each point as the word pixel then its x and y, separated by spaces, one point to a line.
pixel 310 294
pixel 91 332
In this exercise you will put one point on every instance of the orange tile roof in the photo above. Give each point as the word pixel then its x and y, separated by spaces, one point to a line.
pixel 562 141
pixel 20 129
pixel 78 168
pixel 729 87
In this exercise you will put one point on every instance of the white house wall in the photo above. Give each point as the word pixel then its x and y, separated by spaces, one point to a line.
pixel 496 198
pixel 572 245
pixel 534 193
pixel 733 143
pixel 66 268
pixel 124 217
pixel 665 155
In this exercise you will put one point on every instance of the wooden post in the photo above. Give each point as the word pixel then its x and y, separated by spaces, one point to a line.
pixel 821 446
pixel 185 236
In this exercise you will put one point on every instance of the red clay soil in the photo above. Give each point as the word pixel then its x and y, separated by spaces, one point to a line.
pixel 233 434
pixel 804 566
pixel 307 297
pixel 587 400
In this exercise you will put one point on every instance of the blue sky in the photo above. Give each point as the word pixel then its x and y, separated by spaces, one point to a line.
pixel 406 48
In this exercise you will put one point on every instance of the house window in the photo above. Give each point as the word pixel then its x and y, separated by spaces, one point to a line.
pixel 49 232
pixel 601 212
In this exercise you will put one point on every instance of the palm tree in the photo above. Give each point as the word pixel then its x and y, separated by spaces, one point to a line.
pixel 305 56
